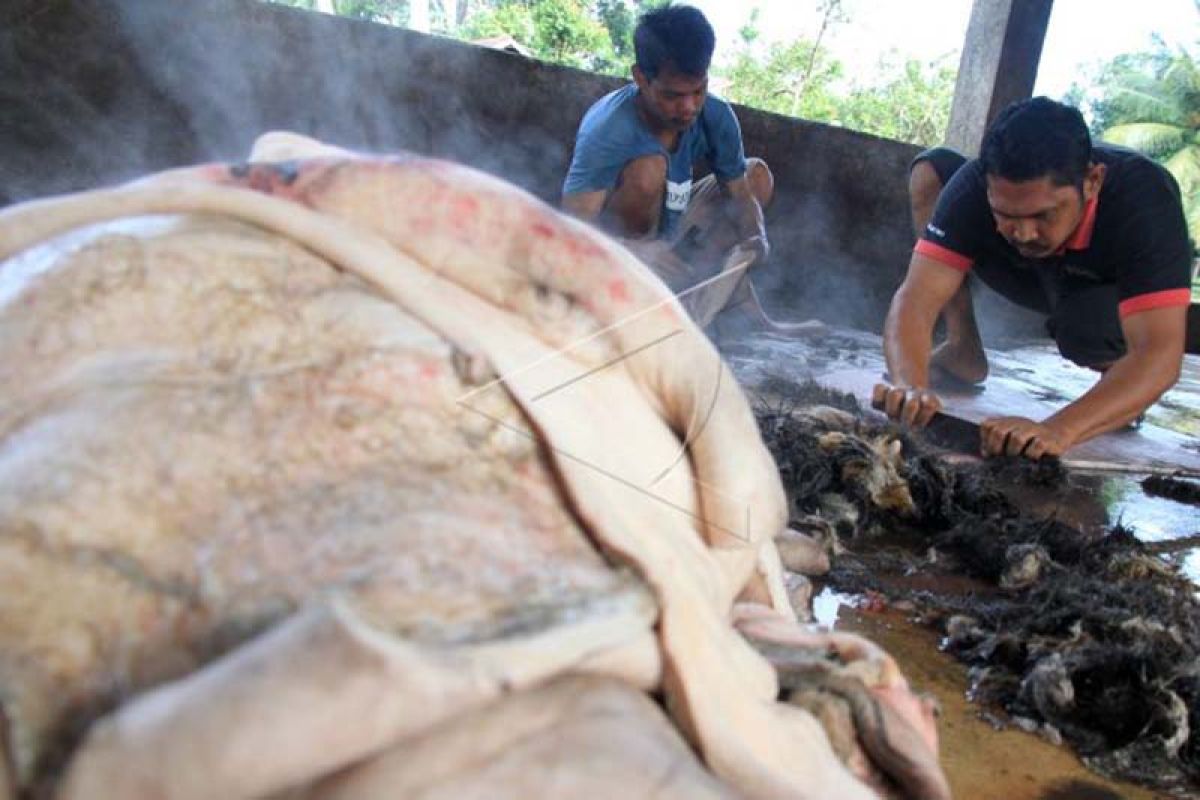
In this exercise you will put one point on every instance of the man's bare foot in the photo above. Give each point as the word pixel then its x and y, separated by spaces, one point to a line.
pixel 964 362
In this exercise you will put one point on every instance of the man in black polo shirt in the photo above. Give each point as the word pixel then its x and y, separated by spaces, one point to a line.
pixel 1094 237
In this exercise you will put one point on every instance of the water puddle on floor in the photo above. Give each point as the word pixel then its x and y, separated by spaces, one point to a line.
pixel 827 603
pixel 981 760
pixel 1156 520
pixel 1095 502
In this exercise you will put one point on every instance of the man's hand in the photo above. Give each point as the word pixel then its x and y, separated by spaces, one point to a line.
pixel 908 331
pixel 757 244
pixel 1018 436
pixel 910 405
pixel 747 216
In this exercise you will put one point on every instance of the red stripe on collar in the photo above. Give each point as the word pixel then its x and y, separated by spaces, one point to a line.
pixel 1082 237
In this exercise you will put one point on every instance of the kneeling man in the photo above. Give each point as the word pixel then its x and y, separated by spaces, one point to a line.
pixel 1094 237
pixel 631 172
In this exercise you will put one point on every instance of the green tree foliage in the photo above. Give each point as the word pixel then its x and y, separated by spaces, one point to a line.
pixel 910 101
pixel 1151 103
pixel 619 18
pixel 793 79
pixel 393 12
pixel 390 12
pixel 445 16
pixel 787 78
pixel 562 31
pixel 912 104
pixel 591 34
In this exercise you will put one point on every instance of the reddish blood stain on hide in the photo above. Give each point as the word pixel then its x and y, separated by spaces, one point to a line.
pixel 618 290
pixel 464 208
pixel 429 371
pixel 543 230
pixel 456 213
pixel 582 247
pixel 261 181
pixel 279 179
pixel 216 173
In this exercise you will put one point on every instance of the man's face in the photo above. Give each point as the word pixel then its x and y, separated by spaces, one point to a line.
pixel 1037 216
pixel 672 100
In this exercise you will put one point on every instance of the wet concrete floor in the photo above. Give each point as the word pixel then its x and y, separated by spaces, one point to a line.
pixel 1095 500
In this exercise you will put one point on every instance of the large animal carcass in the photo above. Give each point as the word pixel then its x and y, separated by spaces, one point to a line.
pixel 338 476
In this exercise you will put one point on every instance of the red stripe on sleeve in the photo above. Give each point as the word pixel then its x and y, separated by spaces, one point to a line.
pixel 943 255
pixel 1164 299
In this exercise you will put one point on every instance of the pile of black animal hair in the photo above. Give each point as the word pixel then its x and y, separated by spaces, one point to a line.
pixel 1101 645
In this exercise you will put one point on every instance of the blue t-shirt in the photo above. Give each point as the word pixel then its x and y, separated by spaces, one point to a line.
pixel 612 134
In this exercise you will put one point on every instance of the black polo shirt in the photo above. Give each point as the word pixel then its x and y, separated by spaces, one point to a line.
pixel 1133 233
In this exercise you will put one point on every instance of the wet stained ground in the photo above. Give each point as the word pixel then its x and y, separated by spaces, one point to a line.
pixel 985 753
pixel 984 759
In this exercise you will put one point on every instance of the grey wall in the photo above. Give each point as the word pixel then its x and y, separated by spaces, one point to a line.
pixel 96 91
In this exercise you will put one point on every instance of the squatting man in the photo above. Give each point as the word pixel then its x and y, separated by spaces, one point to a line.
pixel 1092 236
pixel 631 172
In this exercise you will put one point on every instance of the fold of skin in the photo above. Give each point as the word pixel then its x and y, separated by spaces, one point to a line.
pixel 317 692
pixel 574 737
pixel 896 729
pixel 667 447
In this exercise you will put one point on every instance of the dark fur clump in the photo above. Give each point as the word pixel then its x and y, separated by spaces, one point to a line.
pixel 1108 660
pixel 1100 639
pixel 1047 472
pixel 805 393
pixel 1172 488
pixel 803 468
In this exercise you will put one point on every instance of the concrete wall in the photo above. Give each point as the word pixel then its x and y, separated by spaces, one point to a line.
pixel 96 91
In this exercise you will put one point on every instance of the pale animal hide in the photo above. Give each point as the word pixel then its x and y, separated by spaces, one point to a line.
pixel 410 444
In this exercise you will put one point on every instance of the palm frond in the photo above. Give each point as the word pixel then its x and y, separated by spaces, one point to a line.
pixel 1145 100
pixel 1183 73
pixel 1152 138
pixel 1185 166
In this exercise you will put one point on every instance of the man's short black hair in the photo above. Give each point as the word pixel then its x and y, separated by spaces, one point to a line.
pixel 1038 138
pixel 675 36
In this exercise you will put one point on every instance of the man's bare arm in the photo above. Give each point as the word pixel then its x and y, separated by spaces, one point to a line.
pixel 748 214
pixel 908 339
pixel 585 205
pixel 1154 342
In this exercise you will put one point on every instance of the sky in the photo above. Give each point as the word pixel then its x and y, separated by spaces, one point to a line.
pixel 1081 32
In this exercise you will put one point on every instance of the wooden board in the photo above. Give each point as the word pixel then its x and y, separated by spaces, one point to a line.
pixel 1148 447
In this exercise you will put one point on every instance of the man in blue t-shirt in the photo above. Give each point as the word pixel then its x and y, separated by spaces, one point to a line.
pixel 1092 236
pixel 632 169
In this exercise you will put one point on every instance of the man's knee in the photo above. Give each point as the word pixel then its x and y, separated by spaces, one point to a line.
pixel 643 178
pixel 924 185
pixel 762 182
pixel 639 194
pixel 929 173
